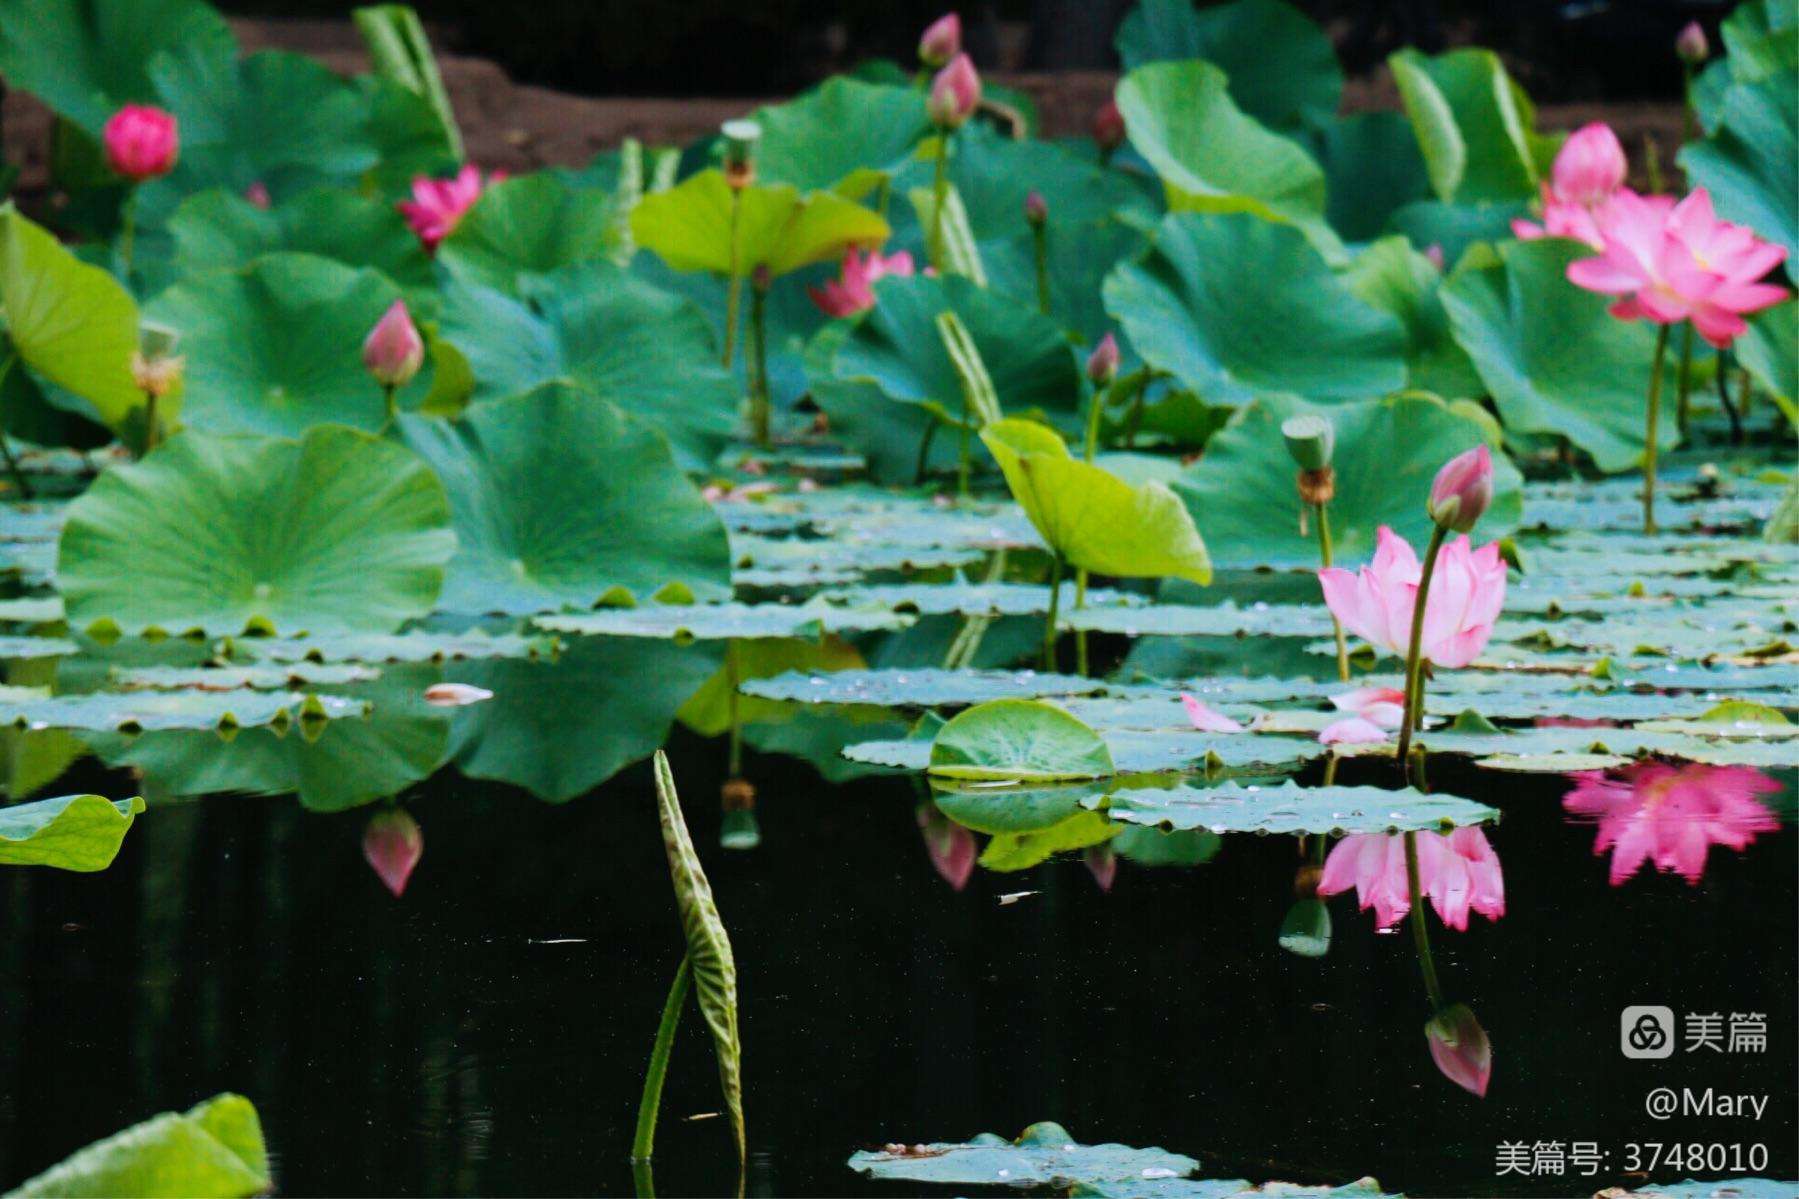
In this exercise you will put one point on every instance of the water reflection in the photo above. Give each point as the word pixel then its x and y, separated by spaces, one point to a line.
pixel 1672 815
pixel 1457 871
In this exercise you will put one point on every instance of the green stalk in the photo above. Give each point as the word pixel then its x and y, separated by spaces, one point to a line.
pixel 760 416
pixel 1723 376
pixel 732 672
pixel 1135 416
pixel 1080 635
pixel 1414 666
pixel 12 463
pixel 1040 240
pixel 1055 604
pixel 643 1145
pixel 153 434
pixel 963 461
pixel 924 450
pixel 1420 934
pixel 1324 554
pixel 1096 406
pixel 127 236
pixel 1681 415
pixel 1745 393
pixel 939 186
pixel 1651 424
pixel 734 291
pixel 387 391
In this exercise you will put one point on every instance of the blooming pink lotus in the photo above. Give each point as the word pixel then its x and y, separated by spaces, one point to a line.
pixel 955 93
pixel 142 141
pixel 942 40
pixel 1466 594
pixel 950 847
pixel 438 204
pixel 1589 170
pixel 1377 711
pixel 1458 873
pixel 853 291
pixel 1672 814
pixel 1208 720
pixel 1673 262
pixel 392 843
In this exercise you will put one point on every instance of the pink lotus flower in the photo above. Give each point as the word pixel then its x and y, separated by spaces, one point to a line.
pixel 142 142
pixel 1466 594
pixel 1674 262
pixel 1377 712
pixel 1102 864
pixel 394 350
pixel 1108 126
pixel 955 93
pixel 1673 814
pixel 1462 490
pixel 942 40
pixel 853 292
pixel 950 847
pixel 393 844
pixel 438 204
pixel 1459 1047
pixel 1457 872
pixel 1208 720
pixel 1102 363
pixel 1589 170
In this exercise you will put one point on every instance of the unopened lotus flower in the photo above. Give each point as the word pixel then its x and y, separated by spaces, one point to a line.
pixel 1673 262
pixel 1102 363
pixel 1691 45
pixel 258 195
pixel 394 351
pixel 393 844
pixel 1463 490
pixel 141 141
pixel 1036 208
pixel 1589 170
pixel 1459 1047
pixel 950 847
pixel 955 94
pixel 1108 126
pixel 1375 713
pixel 1102 864
pixel 437 205
pixel 1458 873
pixel 853 290
pixel 1467 591
pixel 1206 719
pixel 1672 815
pixel 942 40
pixel 455 695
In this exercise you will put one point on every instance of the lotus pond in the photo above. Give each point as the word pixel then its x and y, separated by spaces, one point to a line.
pixel 880 652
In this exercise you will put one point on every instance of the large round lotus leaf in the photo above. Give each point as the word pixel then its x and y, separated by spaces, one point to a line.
pixel 1751 163
pixel 1395 278
pixel 561 728
pixel 336 531
pixel 1242 494
pixel 1233 306
pixel 1018 739
pixel 1282 68
pixel 70 832
pixel 87 58
pixel 844 134
pixel 1554 360
pixel 1290 808
pixel 1212 158
pixel 1372 168
pixel 530 226
pixel 1475 127
pixel 216 230
pixel 601 329
pixel 277 347
pixel 409 137
pixel 560 499
pixel 692 228
pixel 896 347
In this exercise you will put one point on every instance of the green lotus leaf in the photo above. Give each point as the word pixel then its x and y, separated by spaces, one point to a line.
pixel 71 323
pixel 1234 307
pixel 155 711
pixel 691 227
pixel 1459 226
pixel 1213 158
pixel 233 678
pixel 276 347
pixel 1079 256
pixel 1011 852
pixel 972 599
pixel 1282 68
pixel 796 563
pixel 922 688
pixel 212 1151
pixel 1149 751
pixel 417 646
pixel 409 136
pixel 1554 359
pixel 529 225
pixel 1751 163
pixel 559 500
pixel 1290 808
pixel 721 622
pixel 843 135
pixel 1027 807
pixel 1242 494
pixel 1372 169
pixel 1152 847
pixel 561 728
pixel 1091 517
pixel 597 327
pixel 1735 1186
pixel 1226 1188
pixel 1475 126
pixel 1018 739
pixel 335 532
pixel 1395 278
pixel 216 230
pixel 86 60
pixel 713 708
pixel 70 832
pixel 1045 1156
pixel 1770 352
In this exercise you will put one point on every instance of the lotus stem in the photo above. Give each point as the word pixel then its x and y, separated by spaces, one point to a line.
pixel 1414 665
pixel 127 236
pixel 1040 247
pixel 1427 965
pixel 153 431
pixel 733 672
pixel 643 1145
pixel 643 1180
pixel 1055 604
pixel 1745 393
pixel 924 451
pixel 12 463
pixel 1080 635
pixel 1730 409
pixel 1135 416
pixel 963 461
pixel 387 391
pixel 939 187
pixel 1095 409
pixel 1324 555
pixel 760 416
pixel 1681 415
pixel 734 289
pixel 1651 423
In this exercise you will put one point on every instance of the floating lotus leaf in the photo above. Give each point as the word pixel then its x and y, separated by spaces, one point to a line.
pixel 32 521
pixel 1724 1188
pixel 1475 126
pixel 844 135
pixel 146 711
pixel 1018 739
pixel 609 333
pixel 1044 1156
pixel 560 500
pixel 70 832
pixel 1009 852
pixel 1157 711
pixel 32 609
pixel 1011 805
pixel 1182 620
pixel 1290 808
pixel 974 599
pixel 32 561
pixel 1282 68
pixel 1140 751
pixel 691 227
pixel 1092 518
pixel 420 646
pixel 212 1151
pixel 530 225
pixel 924 688
pixel 718 622
pixel 1395 278
pixel 1750 163
pixel 1152 847
pixel 809 559
pixel 1234 307
pixel 236 678
pixel 1226 1188
pixel 218 230
pixel 335 532
pixel 35 647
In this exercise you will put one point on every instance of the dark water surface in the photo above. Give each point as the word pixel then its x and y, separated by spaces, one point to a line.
pixel 487 1034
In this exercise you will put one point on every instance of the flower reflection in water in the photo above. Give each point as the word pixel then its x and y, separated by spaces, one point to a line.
pixel 1457 872
pixel 1672 814
pixel 951 847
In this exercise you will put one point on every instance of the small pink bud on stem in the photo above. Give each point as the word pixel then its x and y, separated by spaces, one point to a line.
pixel 1102 363
pixel 955 94
pixel 1463 490
pixel 942 40
pixel 142 142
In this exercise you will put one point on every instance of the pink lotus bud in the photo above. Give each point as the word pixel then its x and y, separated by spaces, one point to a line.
pixel 258 194
pixel 942 40
pixel 393 844
pixel 1459 1046
pixel 1462 490
pixel 1434 254
pixel 394 351
pixel 1590 165
pixel 1691 45
pixel 950 847
pixel 1036 208
pixel 141 142
pixel 1102 364
pixel 455 695
pixel 1102 864
pixel 955 93
pixel 1108 126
